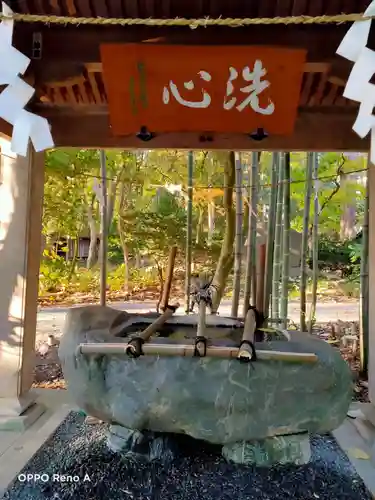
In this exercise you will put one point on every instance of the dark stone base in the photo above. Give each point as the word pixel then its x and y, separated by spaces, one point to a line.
pixel 280 450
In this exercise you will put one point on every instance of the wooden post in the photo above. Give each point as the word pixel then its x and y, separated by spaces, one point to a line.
pixel 21 207
pixel 371 283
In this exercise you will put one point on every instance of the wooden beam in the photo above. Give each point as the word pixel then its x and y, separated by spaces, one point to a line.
pixel 5 130
pixel 66 50
pixel 80 44
pixel 77 80
pixel 310 67
pixel 314 130
pixel 337 81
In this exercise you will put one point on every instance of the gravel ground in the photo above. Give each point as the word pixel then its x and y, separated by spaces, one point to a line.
pixel 198 473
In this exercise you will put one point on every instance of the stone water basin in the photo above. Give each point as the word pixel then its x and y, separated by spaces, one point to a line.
pixel 260 412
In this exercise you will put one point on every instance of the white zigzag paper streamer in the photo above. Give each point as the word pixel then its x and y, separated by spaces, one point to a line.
pixel 358 87
pixel 26 126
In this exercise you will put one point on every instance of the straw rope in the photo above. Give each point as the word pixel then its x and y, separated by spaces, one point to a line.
pixel 191 23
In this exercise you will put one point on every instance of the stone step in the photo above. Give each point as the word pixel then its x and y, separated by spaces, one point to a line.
pixel 19 423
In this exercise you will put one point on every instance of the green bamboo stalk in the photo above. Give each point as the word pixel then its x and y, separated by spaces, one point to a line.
pixel 270 235
pixel 103 257
pixel 251 234
pixel 189 231
pixel 304 245
pixel 286 242
pixel 364 297
pixel 278 235
pixel 238 237
pixel 314 242
pixel 254 223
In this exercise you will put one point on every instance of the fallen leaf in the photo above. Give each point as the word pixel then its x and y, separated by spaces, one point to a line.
pixel 358 453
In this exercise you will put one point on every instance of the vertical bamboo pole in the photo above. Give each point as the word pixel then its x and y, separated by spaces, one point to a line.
pixel 252 233
pixel 278 235
pixel 261 271
pixel 254 222
pixel 270 235
pixel 238 237
pixel 286 242
pixel 189 231
pixel 314 242
pixel 305 237
pixel 104 229
pixel 364 297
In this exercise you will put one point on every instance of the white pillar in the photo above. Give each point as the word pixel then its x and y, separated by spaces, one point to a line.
pixel 371 270
pixel 21 199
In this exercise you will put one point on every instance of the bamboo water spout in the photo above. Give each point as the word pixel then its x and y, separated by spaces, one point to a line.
pixel 200 340
pixel 246 351
pixel 135 346
pixel 204 300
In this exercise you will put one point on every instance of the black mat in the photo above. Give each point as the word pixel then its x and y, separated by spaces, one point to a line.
pixel 200 473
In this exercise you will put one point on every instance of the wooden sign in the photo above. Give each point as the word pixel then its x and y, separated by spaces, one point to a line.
pixel 171 88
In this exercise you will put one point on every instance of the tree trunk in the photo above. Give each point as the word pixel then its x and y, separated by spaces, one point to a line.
pixel 111 199
pixel 348 217
pixel 211 221
pixel 112 191
pixel 126 270
pixel 138 261
pixel 225 262
pixel 199 232
pixel 74 259
pixel 92 258
pixel 121 229
pixel 125 253
pixel 161 282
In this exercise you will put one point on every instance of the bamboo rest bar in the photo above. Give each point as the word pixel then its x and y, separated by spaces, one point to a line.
pixel 188 351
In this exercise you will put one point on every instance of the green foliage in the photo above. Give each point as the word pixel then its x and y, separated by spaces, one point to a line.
pixel 335 255
pixel 53 272
pixel 147 219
